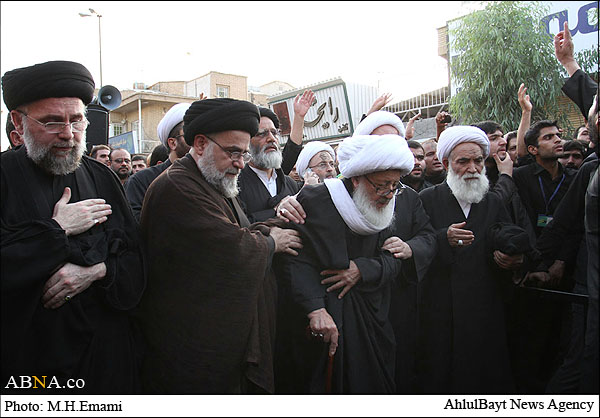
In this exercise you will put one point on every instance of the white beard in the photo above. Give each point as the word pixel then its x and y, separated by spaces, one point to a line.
pixel 471 191
pixel 42 154
pixel 379 218
pixel 225 184
pixel 266 160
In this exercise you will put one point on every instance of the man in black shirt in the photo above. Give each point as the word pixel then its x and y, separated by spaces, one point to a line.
pixel 542 185
pixel 416 178
pixel 434 170
pixel 573 154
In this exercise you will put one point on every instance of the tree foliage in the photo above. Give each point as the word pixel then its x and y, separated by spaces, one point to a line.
pixel 499 48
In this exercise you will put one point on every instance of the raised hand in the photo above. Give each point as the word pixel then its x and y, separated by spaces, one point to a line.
pixel 410 126
pixel 303 103
pixel 563 50
pixel 524 99
pixel 380 102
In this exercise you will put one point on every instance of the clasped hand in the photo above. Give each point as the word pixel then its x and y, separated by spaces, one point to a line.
pixel 70 280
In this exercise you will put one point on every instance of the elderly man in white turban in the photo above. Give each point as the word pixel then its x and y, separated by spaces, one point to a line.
pixel 316 162
pixel 377 123
pixel 170 133
pixel 340 281
pixel 412 243
pixel 462 313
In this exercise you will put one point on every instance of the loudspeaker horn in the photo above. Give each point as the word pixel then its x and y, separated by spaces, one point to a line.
pixel 109 97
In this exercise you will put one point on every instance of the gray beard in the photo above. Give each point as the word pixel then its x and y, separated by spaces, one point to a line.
pixel 228 186
pixel 42 156
pixel 379 218
pixel 266 160
pixel 472 191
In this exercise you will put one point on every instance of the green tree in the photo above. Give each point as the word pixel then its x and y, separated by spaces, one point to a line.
pixel 500 47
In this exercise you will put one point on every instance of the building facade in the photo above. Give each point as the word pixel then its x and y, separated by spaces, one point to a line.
pixel 133 124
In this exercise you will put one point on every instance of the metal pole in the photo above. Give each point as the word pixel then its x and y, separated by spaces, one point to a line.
pixel 100 44
pixel 140 149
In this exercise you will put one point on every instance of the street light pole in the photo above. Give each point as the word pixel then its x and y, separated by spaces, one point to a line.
pixel 100 47
pixel 93 12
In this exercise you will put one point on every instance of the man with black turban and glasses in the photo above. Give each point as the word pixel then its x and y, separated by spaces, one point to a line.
pixel 72 265
pixel 208 313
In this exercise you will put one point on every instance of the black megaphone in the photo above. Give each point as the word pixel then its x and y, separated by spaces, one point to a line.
pixel 109 98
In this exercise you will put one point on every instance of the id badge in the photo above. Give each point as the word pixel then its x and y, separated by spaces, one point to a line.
pixel 543 220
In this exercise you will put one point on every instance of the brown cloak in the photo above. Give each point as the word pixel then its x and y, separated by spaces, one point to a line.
pixel 208 311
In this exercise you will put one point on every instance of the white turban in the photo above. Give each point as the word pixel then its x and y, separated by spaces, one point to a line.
pixel 366 154
pixel 455 135
pixel 173 117
pixel 377 119
pixel 310 150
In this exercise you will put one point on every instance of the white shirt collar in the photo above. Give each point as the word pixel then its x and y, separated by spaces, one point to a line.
pixel 271 183
pixel 465 206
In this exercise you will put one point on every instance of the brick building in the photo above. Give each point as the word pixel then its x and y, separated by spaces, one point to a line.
pixel 149 104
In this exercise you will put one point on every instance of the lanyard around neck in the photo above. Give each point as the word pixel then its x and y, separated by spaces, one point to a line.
pixel 547 202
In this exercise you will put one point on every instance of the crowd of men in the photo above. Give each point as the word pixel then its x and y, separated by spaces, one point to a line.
pixel 464 264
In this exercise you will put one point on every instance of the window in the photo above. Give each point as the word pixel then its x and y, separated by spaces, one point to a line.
pixel 222 91
pixel 116 129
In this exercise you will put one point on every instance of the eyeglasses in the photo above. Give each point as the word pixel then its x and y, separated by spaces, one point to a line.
pixel 324 165
pixel 234 155
pixel 58 127
pixel 397 188
pixel 263 134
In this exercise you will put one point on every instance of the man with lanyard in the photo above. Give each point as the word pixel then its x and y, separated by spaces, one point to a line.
pixel 541 185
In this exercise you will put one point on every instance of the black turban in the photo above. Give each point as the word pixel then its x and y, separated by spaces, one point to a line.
pixel 270 114
pixel 49 79
pixel 218 115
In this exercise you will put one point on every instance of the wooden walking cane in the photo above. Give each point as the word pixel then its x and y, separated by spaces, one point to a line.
pixel 329 372
pixel 329 376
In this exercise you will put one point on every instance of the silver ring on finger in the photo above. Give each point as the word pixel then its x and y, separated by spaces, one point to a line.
pixel 460 242
pixel 283 211
pixel 95 221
